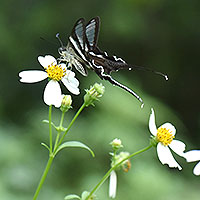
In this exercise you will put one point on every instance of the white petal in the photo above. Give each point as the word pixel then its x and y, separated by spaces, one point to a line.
pixel 47 60
pixel 71 85
pixel 52 94
pixel 170 127
pixel 113 184
pixel 32 76
pixel 178 147
pixel 73 81
pixel 63 66
pixel 193 155
pixel 152 124
pixel 196 169
pixel 166 157
pixel 70 73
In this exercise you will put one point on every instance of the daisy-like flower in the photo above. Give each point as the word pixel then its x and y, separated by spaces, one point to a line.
pixel 192 156
pixel 55 72
pixel 113 184
pixel 164 137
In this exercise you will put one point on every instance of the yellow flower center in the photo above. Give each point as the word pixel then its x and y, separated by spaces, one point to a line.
pixel 55 72
pixel 164 136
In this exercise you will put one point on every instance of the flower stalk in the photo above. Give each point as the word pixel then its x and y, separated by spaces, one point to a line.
pixel 50 129
pixel 113 168
pixel 53 153
pixel 48 165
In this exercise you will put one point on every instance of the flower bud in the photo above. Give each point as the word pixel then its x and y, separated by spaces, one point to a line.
pixel 66 103
pixel 93 94
pixel 116 144
pixel 119 157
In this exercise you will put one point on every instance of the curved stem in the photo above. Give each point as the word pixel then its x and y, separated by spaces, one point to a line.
pixel 113 168
pixel 48 165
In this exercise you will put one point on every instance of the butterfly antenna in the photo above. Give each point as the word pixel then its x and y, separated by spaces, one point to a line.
pixel 61 43
pixel 148 69
pixel 47 41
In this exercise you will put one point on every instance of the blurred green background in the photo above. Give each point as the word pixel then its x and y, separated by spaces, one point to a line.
pixel 161 34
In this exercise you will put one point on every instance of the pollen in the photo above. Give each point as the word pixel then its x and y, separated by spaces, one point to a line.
pixel 55 72
pixel 164 136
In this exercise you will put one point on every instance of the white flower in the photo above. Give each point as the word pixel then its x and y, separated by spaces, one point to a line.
pixel 113 184
pixel 55 72
pixel 164 135
pixel 192 156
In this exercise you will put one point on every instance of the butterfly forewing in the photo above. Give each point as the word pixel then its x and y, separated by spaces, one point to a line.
pixel 77 46
pixel 77 62
pixel 92 32
pixel 78 33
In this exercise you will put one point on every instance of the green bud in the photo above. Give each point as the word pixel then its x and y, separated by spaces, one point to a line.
pixel 94 93
pixel 66 103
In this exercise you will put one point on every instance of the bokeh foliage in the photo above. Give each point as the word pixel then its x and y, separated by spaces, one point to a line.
pixel 160 34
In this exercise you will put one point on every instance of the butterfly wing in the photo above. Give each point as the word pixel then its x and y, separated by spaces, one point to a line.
pixel 77 42
pixel 78 34
pixel 91 34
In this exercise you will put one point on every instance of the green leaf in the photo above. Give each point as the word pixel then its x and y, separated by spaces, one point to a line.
pixel 84 195
pixel 47 122
pixel 74 144
pixel 58 128
pixel 45 145
pixel 72 196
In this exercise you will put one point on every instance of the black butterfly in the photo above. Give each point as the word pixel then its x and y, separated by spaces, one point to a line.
pixel 82 53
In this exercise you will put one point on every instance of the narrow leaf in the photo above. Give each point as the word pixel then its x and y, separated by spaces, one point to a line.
pixel 74 144
pixel 46 146
pixel 72 196
pixel 47 122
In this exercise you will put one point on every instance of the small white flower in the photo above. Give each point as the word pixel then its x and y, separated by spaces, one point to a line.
pixel 164 135
pixel 55 72
pixel 113 184
pixel 192 156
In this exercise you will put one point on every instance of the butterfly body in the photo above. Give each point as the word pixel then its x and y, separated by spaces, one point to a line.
pixel 82 52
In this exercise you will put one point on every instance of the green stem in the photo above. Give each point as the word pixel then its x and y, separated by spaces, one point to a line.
pixel 71 123
pixel 58 134
pixel 50 129
pixel 57 144
pixel 113 168
pixel 62 118
pixel 48 165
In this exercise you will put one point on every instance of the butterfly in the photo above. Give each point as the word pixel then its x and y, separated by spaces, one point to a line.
pixel 82 52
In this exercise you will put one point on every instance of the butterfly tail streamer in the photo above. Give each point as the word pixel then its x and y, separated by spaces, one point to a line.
pixel 130 67
pixel 114 82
